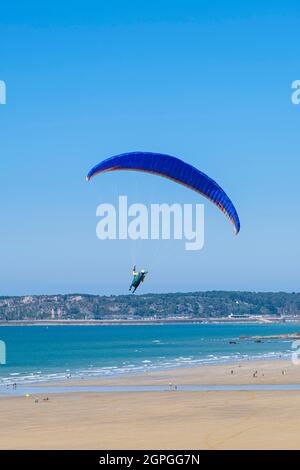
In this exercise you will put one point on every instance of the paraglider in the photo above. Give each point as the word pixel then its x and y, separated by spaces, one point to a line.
pixel 138 277
pixel 175 169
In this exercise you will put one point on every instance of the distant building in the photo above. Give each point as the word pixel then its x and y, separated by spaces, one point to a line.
pixel 238 315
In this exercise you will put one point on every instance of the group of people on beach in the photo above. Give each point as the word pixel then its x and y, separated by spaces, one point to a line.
pixel 255 373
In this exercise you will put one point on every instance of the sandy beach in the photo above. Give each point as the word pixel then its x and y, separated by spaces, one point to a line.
pixel 165 419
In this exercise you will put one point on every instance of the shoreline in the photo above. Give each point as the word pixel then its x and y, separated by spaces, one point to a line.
pixel 165 321
pixel 230 373
pixel 269 372
pixel 81 378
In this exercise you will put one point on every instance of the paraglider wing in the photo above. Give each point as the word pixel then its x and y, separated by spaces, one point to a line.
pixel 174 169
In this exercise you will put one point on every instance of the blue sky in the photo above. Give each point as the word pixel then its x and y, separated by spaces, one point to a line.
pixel 209 82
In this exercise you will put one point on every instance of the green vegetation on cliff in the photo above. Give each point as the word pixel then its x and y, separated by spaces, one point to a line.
pixel 160 306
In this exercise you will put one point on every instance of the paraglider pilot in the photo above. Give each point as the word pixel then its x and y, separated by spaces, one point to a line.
pixel 138 277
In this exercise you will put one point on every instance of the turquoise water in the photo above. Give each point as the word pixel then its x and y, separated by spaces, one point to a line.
pixel 41 353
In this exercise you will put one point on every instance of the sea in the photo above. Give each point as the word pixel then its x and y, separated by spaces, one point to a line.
pixel 37 354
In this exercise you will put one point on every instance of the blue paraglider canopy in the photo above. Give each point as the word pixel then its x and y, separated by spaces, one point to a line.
pixel 174 169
